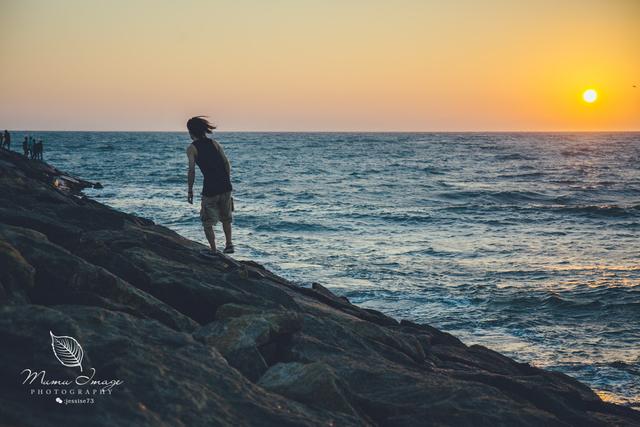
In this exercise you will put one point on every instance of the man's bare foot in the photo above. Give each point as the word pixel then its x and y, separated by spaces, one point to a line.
pixel 229 249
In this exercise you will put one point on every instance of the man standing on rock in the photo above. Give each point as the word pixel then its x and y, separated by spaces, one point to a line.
pixel 25 146
pixel 216 203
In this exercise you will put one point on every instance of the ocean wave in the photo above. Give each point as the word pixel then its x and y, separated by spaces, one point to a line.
pixel 398 218
pixel 528 175
pixel 618 364
pixel 432 171
pixel 599 210
pixel 582 151
pixel 523 196
pixel 294 226
pixel 174 180
pixel 557 302
pixel 603 305
pixel 514 156
pixel 593 211
pixel 498 196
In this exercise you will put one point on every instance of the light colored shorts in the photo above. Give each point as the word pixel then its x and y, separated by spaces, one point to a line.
pixel 216 208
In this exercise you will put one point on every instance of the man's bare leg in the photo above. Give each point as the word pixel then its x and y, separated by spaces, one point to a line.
pixel 211 237
pixel 226 227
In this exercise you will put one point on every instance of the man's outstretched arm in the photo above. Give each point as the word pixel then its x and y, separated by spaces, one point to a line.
pixel 192 152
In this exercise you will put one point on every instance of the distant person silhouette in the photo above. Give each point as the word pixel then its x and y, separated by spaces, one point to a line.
pixel 1 140
pixel 25 146
pixel 38 148
pixel 31 147
pixel 216 201
pixel 7 139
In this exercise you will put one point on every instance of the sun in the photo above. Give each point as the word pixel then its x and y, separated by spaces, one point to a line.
pixel 590 96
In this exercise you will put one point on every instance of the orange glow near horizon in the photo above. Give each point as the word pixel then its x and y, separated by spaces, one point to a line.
pixel 289 65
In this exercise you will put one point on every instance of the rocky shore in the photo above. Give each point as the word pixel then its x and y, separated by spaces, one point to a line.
pixel 206 341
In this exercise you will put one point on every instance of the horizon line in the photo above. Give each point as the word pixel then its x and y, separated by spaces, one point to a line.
pixel 329 131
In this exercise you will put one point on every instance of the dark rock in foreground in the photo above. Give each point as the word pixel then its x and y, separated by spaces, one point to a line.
pixel 214 341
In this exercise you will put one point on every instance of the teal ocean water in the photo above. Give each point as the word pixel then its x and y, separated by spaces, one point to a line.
pixel 526 243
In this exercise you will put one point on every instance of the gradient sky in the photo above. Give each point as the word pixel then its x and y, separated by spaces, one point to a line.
pixel 320 65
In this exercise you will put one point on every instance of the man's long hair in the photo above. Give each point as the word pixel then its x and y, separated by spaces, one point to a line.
pixel 199 126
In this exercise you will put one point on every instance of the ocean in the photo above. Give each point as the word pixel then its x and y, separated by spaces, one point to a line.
pixel 527 243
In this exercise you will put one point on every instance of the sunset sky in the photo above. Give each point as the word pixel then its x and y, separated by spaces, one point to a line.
pixel 320 65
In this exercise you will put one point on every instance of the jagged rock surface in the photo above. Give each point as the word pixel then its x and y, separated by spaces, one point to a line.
pixel 215 341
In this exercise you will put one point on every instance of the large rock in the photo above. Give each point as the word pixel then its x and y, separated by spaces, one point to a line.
pixel 17 276
pixel 168 377
pixel 251 342
pixel 208 340
pixel 315 384
pixel 61 277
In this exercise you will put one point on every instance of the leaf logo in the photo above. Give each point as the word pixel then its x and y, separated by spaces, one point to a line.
pixel 67 350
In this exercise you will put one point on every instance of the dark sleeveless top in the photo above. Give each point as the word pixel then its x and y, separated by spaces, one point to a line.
pixel 209 160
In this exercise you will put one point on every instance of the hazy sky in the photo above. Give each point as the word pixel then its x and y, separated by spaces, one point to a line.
pixel 320 65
